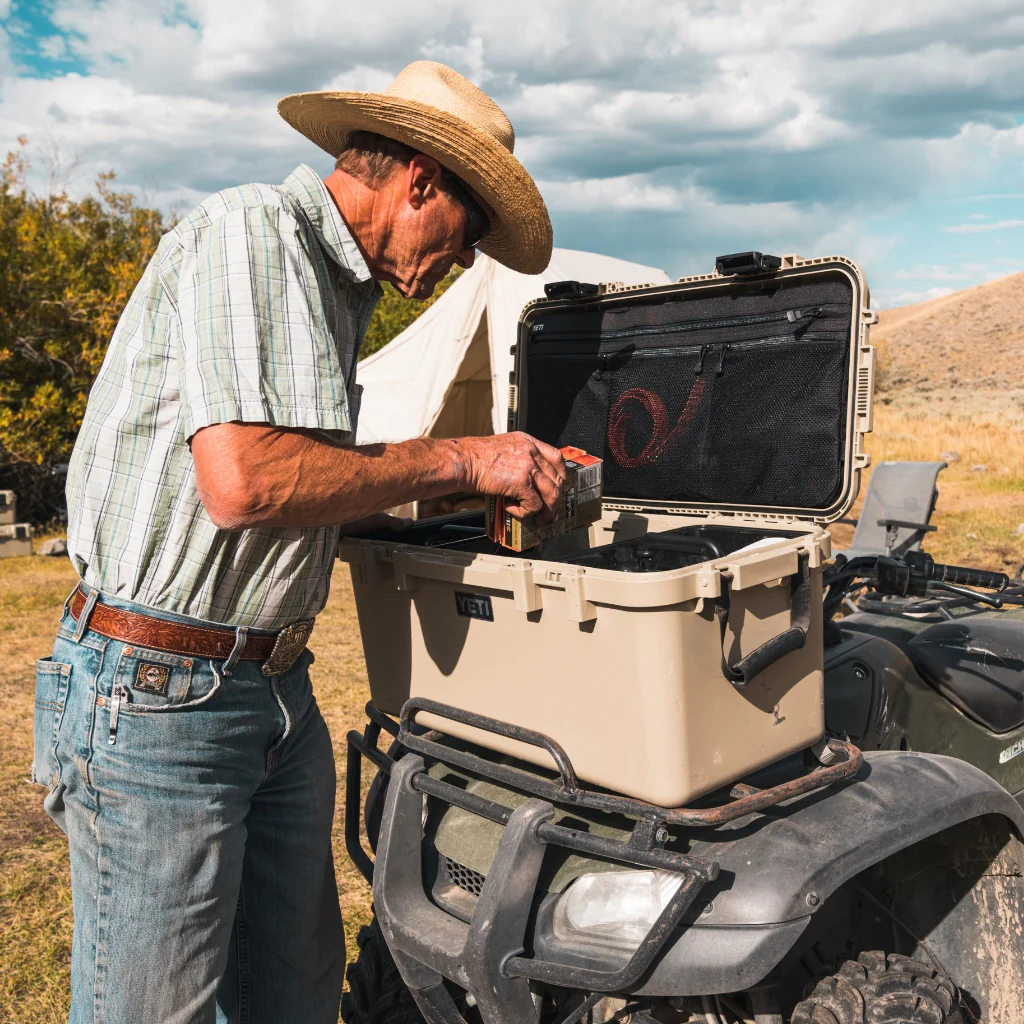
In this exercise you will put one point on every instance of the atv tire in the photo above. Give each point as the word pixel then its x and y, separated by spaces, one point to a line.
pixel 881 989
pixel 376 993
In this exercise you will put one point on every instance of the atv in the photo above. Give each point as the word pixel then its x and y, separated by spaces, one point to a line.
pixel 876 877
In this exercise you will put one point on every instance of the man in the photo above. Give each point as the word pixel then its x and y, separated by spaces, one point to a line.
pixel 176 729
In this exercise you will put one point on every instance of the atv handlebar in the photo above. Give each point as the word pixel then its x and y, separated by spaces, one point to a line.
pixel 913 575
pixel 958 574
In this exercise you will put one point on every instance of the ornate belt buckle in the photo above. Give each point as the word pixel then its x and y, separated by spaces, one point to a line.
pixel 290 643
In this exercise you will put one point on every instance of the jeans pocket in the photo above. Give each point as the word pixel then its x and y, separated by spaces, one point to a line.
pixel 150 680
pixel 52 679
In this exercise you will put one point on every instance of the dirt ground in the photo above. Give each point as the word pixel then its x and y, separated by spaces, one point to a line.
pixel 980 509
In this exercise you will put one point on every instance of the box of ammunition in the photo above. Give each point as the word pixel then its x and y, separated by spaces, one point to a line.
pixel 580 506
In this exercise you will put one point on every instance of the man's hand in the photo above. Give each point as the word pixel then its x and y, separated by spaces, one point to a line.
pixel 516 466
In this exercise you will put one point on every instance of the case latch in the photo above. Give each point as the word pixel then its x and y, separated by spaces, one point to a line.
pixel 747 263
pixel 569 289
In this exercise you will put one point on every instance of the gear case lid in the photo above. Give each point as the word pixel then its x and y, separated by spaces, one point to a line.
pixel 745 392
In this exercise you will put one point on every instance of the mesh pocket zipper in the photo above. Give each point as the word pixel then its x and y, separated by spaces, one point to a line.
pixel 806 314
pixel 610 360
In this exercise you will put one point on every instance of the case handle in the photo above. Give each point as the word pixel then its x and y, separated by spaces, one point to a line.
pixel 515 579
pixel 789 640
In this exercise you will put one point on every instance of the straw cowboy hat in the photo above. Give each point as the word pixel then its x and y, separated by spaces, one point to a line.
pixel 436 111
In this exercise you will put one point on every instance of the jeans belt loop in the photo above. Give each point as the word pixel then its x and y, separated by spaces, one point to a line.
pixel 241 638
pixel 67 600
pixel 83 620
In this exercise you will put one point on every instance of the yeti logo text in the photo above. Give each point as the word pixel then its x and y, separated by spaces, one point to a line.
pixel 474 606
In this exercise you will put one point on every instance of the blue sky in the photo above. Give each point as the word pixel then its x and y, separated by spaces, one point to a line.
pixel 891 132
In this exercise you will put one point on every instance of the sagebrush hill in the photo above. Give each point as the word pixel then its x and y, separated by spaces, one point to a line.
pixel 957 348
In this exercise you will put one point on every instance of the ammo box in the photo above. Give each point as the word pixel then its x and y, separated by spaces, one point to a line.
pixel 675 645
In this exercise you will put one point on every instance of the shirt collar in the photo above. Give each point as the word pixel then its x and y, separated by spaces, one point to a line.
pixel 305 187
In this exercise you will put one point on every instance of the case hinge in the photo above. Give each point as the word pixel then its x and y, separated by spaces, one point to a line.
pixel 747 263
pixel 569 289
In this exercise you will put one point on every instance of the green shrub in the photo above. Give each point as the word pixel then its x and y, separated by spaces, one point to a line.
pixel 67 269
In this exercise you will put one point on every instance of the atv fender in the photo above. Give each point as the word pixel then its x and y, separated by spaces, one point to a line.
pixel 784 868
pixel 777 871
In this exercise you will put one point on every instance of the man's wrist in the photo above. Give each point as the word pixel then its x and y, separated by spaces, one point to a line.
pixel 457 464
pixel 460 465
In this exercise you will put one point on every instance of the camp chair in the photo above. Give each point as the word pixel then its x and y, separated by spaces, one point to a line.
pixel 900 500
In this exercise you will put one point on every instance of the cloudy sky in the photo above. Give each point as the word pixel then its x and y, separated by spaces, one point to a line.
pixel 891 131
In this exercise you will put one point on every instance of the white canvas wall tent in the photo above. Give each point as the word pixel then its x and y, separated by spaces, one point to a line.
pixel 446 375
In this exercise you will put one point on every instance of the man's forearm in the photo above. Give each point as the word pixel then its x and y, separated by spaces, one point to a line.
pixel 252 475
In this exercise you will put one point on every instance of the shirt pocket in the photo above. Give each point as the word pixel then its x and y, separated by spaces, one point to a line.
pixel 52 680
pixel 150 680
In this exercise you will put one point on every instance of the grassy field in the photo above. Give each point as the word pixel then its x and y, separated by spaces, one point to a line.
pixel 978 515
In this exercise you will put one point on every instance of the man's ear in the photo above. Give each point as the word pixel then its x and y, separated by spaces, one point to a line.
pixel 424 174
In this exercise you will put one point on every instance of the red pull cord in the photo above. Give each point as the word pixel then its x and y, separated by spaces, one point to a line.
pixel 661 437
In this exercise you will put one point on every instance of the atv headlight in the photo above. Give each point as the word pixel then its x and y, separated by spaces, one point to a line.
pixel 617 908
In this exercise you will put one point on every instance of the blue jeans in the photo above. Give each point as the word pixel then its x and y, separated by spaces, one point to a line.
pixel 199 824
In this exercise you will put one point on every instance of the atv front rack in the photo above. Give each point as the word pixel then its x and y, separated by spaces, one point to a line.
pixel 566 791
pixel 486 956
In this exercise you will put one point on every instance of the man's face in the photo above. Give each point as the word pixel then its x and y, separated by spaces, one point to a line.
pixel 426 231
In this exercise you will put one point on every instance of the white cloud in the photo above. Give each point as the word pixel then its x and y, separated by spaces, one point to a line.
pixel 666 129
pixel 973 229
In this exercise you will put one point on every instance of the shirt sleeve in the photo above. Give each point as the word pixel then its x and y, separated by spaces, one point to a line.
pixel 254 342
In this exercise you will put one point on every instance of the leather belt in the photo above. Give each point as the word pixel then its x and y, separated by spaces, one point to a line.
pixel 278 651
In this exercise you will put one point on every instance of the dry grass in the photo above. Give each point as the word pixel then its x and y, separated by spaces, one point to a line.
pixel 978 514
pixel 981 496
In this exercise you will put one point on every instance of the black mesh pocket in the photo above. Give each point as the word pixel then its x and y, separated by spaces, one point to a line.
pixel 761 423
pixel 568 398
pixel 657 423
pixel 734 396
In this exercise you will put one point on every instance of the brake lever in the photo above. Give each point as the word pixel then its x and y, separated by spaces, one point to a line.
pixel 974 595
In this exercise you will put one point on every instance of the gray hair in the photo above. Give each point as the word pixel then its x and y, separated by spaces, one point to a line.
pixel 371 158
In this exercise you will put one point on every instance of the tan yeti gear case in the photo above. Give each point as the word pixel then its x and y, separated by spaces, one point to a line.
pixel 677 645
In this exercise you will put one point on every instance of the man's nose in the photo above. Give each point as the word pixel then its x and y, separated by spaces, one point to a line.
pixel 466 258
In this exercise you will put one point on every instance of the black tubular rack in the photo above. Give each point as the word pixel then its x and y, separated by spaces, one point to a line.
pixel 528 828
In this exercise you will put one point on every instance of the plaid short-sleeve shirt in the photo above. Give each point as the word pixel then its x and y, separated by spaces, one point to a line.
pixel 252 310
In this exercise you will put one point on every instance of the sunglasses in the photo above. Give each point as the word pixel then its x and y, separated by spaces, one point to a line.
pixel 478 224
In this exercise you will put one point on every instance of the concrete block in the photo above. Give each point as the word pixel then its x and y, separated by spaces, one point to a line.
pixel 15 540
pixel 7 512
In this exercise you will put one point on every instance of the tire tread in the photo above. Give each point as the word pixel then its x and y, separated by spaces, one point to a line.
pixel 880 988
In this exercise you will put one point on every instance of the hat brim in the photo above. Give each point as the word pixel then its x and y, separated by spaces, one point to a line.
pixel 520 235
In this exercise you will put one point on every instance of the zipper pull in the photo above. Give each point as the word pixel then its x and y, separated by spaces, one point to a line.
pixel 792 315
pixel 700 359
pixel 120 694
pixel 721 360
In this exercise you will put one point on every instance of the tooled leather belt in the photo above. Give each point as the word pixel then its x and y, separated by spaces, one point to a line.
pixel 278 651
